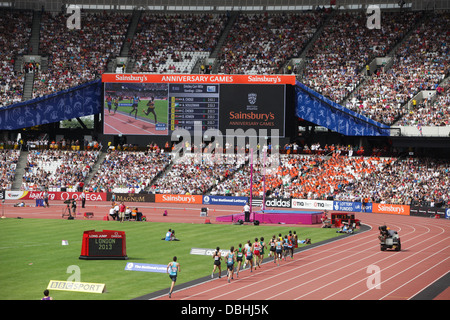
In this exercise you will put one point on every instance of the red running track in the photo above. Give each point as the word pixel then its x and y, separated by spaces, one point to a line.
pixel 125 124
pixel 341 270
pixel 351 268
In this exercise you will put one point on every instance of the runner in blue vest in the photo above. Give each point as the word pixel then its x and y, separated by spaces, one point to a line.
pixel 285 247
pixel 135 106
pixel 249 255
pixel 230 263
pixel 172 269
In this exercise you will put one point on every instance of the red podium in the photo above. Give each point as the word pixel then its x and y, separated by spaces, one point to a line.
pixel 104 245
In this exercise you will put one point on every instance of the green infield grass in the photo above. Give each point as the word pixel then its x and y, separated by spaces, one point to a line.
pixel 32 254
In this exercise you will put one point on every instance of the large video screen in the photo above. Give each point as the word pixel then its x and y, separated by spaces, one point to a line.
pixel 151 104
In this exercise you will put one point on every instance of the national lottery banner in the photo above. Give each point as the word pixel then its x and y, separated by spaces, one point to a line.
pixel 54 196
pixel 351 206
pixel 224 200
pixel 146 267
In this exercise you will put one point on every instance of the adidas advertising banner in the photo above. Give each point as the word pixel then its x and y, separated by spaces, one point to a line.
pixel 272 202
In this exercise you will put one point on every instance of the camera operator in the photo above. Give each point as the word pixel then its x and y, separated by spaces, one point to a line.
pixel 74 207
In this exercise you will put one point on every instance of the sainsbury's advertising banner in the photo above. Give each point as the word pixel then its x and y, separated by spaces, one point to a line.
pixel 391 209
pixel 178 198
pixel 199 78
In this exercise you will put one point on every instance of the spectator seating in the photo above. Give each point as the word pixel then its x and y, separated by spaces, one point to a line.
pixel 128 171
pixel 338 59
pixel 192 174
pixel 263 43
pixel 15 31
pixel 421 63
pixel 8 164
pixel 163 41
pixel 57 170
pixel 78 56
pixel 435 112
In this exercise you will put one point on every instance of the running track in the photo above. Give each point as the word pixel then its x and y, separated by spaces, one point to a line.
pixel 345 269
pixel 126 124
pixel 338 270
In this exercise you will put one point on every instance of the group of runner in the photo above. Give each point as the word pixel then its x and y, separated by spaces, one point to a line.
pixel 134 105
pixel 252 254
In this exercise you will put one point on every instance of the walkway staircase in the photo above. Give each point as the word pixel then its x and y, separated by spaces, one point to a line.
pixel 20 171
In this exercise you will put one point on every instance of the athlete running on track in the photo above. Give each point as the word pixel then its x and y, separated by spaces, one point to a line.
pixel 172 269
pixel 249 256
pixel 272 244
pixel 291 245
pixel 239 257
pixel 261 254
pixel 278 250
pixel 217 256
pixel 230 257
pixel 151 108
pixel 257 252
pixel 135 106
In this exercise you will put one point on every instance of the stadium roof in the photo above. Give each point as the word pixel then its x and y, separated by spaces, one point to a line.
pixel 208 5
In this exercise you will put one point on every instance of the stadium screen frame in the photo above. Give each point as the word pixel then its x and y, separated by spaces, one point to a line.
pixel 179 101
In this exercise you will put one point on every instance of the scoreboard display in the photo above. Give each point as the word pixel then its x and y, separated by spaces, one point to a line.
pixel 151 104
pixel 106 244
pixel 189 103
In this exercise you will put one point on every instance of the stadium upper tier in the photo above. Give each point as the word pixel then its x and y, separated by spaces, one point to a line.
pixel 316 172
pixel 335 48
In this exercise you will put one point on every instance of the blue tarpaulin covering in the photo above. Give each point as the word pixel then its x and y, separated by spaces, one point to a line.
pixel 315 108
pixel 80 101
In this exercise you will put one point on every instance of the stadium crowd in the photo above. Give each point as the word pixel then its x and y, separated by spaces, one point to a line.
pixel 430 112
pixel 257 43
pixel 420 181
pixel 15 31
pixel 77 56
pixel 8 164
pixel 421 63
pixel 193 174
pixel 335 174
pixel 263 43
pixel 127 171
pixel 337 61
pixel 57 169
pixel 161 40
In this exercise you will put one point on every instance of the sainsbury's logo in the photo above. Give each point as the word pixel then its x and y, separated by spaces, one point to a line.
pixel 391 208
